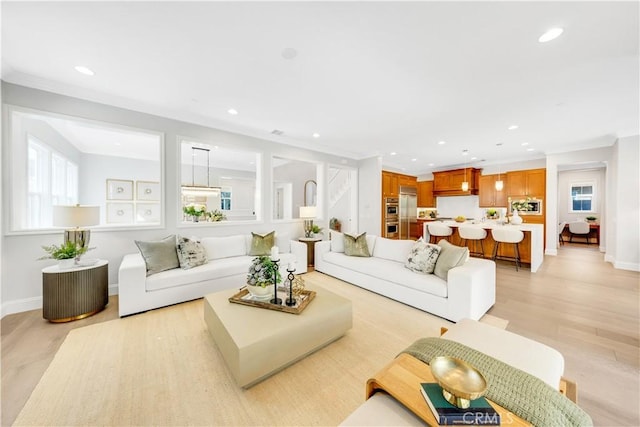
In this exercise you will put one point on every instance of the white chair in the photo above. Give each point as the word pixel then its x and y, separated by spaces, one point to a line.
pixel 561 227
pixel 438 229
pixel 473 233
pixel 507 235
pixel 580 229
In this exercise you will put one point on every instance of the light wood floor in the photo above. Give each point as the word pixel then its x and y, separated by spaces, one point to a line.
pixel 575 303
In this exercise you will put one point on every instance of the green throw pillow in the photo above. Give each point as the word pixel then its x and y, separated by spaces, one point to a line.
pixel 356 246
pixel 262 244
pixel 450 256
pixel 159 255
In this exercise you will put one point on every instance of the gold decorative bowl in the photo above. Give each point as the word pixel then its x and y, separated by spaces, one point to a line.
pixel 460 219
pixel 460 381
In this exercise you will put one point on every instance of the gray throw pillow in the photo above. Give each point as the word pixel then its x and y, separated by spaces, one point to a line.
pixel 423 257
pixel 450 256
pixel 356 246
pixel 159 255
pixel 191 253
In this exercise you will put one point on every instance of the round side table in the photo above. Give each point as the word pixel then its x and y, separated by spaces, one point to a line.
pixel 74 293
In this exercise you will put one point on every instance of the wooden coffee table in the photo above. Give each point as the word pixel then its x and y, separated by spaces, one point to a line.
pixel 256 343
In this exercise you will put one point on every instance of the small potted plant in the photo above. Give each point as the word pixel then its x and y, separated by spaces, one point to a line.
pixel 67 254
pixel 316 229
pixel 260 280
pixel 215 216
pixel 591 219
pixel 194 211
pixel 492 214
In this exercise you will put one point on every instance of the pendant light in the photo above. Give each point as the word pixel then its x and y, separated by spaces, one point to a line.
pixel 199 190
pixel 465 183
pixel 499 182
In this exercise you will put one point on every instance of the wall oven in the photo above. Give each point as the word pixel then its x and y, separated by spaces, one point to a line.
pixel 392 230
pixel 392 208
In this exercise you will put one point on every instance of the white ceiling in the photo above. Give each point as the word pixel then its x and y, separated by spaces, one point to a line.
pixel 369 77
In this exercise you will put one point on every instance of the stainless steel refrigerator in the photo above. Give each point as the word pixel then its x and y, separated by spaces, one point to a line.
pixel 408 210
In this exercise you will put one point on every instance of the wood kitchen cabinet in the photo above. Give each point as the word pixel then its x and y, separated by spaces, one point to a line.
pixel 449 183
pixel 527 183
pixel 390 185
pixel 488 195
pixel 425 194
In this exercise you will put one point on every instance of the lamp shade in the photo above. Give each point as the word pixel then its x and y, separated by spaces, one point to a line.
pixel 76 216
pixel 307 211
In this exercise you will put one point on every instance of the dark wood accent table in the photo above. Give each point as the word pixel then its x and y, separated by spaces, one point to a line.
pixel 594 228
pixel 74 293
pixel 311 248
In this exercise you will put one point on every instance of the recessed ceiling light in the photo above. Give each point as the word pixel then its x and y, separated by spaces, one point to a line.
pixel 414 160
pixel 513 127
pixel 84 70
pixel 530 149
pixel 465 152
pixel 316 135
pixel 393 153
pixel 524 144
pixel 499 144
pixel 432 164
pixel 442 142
pixel 550 35
pixel 473 158
pixel 289 53
pixel 232 111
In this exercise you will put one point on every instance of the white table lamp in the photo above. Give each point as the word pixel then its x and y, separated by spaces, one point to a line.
pixel 76 217
pixel 308 213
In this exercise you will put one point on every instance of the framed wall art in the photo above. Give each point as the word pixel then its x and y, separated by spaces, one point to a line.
pixel 147 213
pixel 148 190
pixel 119 189
pixel 119 213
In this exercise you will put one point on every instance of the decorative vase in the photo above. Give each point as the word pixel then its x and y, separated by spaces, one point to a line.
pixel 65 264
pixel 516 219
pixel 196 218
pixel 259 292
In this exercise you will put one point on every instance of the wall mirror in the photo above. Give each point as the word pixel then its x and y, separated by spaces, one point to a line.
pixel 61 160
pixel 294 185
pixel 219 183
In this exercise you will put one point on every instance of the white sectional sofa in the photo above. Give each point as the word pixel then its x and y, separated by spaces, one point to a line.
pixel 468 292
pixel 226 268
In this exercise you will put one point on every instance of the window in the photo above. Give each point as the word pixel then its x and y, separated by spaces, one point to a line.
pixel 225 199
pixel 53 180
pixel 582 197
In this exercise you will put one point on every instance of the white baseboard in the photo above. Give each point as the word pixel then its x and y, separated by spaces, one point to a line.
pixel 550 251
pixel 34 303
pixel 633 266
pixel 18 306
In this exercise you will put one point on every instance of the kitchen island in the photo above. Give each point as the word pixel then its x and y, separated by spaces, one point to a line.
pixel 531 248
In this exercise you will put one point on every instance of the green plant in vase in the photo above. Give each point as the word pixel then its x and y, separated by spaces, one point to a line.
pixel 68 250
pixel 316 229
pixel 216 215
pixel 194 211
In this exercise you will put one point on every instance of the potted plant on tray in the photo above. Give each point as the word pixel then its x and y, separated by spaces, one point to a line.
pixel 260 280
pixel 194 211
pixel 67 254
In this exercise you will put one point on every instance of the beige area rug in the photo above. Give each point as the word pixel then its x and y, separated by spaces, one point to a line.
pixel 162 368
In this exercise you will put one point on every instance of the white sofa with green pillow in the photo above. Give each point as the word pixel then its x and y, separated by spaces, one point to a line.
pixel 228 261
pixel 466 287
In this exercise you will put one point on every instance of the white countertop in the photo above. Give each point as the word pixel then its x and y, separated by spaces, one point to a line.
pixel 495 224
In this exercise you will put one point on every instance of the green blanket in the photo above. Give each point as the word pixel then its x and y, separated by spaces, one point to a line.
pixel 521 393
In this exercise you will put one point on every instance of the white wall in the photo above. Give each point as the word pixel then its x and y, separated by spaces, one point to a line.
pixel 627 204
pixel 370 195
pixel 566 178
pixel 21 276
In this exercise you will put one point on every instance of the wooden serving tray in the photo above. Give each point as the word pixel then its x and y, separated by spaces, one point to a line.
pixel 302 300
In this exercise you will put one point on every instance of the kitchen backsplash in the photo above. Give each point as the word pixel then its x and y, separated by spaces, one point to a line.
pixel 451 207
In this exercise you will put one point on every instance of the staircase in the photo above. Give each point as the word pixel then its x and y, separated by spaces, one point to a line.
pixel 339 184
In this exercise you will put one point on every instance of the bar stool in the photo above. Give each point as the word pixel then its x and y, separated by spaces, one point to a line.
pixel 475 234
pixel 507 235
pixel 561 227
pixel 437 229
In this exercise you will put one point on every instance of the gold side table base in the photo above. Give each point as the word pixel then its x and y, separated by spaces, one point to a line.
pixel 78 317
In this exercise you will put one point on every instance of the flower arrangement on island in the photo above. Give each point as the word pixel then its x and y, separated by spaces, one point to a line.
pixel 215 215
pixel 262 272
pixel 194 210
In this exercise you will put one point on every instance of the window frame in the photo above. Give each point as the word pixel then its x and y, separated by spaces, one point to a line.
pixel 575 184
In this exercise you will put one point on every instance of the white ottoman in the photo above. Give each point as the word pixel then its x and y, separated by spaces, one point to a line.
pixel 523 353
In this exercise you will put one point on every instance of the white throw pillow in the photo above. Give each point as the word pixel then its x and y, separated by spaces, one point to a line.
pixel 337 241
pixel 394 250
pixel 191 253
pixel 423 257
pixel 224 247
